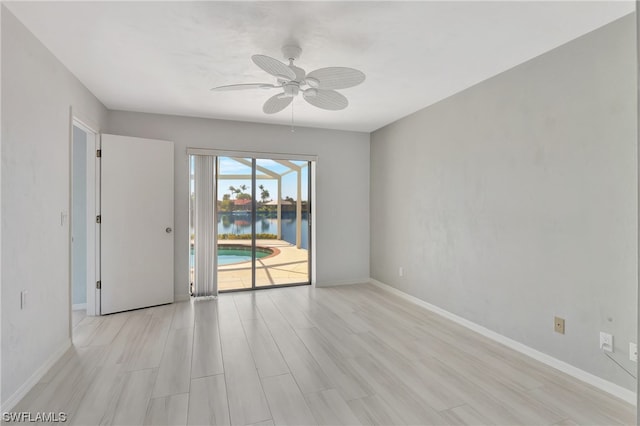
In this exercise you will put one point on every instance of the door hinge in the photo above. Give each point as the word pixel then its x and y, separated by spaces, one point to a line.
pixel 99 153
pixel 99 285
pixel 99 219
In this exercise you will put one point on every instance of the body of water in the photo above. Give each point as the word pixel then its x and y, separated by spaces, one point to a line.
pixel 241 224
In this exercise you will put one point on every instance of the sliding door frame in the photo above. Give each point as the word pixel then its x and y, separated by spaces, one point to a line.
pixel 254 216
pixel 312 161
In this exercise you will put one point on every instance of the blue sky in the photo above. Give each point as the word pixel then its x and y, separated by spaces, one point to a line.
pixel 289 181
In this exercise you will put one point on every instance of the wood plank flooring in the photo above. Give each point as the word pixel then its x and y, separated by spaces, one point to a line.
pixel 328 356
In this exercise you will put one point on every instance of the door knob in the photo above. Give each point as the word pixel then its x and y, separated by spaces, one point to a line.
pixel 168 230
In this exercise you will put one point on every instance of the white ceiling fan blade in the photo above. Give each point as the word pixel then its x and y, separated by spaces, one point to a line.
pixel 335 77
pixel 243 86
pixel 325 99
pixel 276 103
pixel 273 67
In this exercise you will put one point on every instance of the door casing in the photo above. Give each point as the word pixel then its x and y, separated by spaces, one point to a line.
pixel 92 191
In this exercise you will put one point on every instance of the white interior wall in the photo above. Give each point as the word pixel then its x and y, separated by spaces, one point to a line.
pixel 516 200
pixel 638 183
pixel 3 398
pixel 38 93
pixel 342 182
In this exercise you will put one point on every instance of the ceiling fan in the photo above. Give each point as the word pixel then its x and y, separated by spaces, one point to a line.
pixel 318 87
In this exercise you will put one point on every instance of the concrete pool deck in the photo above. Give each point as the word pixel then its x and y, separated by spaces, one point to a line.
pixel 289 266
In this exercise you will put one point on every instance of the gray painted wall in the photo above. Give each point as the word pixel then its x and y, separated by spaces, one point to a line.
pixel 516 200
pixel 79 219
pixel 638 186
pixel 342 182
pixel 37 94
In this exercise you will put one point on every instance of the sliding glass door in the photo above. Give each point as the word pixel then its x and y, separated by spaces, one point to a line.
pixel 262 222
pixel 282 219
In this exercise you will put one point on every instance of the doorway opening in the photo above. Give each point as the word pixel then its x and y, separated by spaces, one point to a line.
pixel 262 223
pixel 82 221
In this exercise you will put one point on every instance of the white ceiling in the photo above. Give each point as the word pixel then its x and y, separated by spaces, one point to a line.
pixel 163 57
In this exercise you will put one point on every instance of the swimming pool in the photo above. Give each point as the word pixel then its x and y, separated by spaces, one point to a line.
pixel 228 254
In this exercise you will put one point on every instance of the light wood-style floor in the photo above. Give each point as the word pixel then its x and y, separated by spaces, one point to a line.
pixel 298 356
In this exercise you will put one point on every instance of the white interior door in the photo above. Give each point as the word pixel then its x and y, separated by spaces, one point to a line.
pixel 136 223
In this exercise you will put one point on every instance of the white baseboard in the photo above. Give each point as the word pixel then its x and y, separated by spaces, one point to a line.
pixel 593 380
pixel 35 378
pixel 345 282
pixel 79 307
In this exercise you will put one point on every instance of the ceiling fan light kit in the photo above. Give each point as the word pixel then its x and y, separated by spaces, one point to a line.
pixel 318 87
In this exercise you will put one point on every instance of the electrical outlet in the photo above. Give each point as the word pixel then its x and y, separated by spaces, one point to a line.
pixel 606 342
pixel 558 325
pixel 633 352
pixel 401 271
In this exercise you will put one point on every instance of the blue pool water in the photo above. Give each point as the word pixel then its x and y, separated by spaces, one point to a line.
pixel 231 253
pixel 228 259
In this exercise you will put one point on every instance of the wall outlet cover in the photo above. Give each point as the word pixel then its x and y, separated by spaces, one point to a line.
pixel 633 352
pixel 606 342
pixel 558 325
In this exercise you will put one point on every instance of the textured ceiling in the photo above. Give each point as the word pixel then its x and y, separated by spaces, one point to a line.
pixel 163 57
